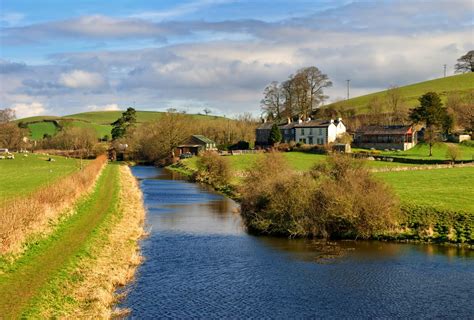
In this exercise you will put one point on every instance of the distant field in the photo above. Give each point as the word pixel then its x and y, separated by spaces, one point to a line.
pixel 457 83
pixel 99 121
pixel 26 174
pixel 421 151
pixel 441 188
pixel 298 160
pixel 39 129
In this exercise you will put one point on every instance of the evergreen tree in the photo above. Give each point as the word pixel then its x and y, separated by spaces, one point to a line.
pixel 122 124
pixel 275 135
pixel 433 115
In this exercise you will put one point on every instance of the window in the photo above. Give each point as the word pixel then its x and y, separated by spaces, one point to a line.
pixel 311 131
pixel 320 131
pixel 302 131
pixel 302 140
pixel 310 140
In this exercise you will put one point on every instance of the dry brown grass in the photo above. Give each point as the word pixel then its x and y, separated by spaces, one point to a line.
pixel 23 217
pixel 113 260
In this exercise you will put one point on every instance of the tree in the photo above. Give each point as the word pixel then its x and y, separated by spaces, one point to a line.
pixel 272 102
pixel 124 123
pixel 11 136
pixel 207 111
pixel 7 115
pixel 395 103
pixel 465 63
pixel 432 114
pixel 453 153
pixel 275 135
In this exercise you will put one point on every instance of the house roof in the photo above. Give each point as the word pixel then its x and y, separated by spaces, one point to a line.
pixel 384 130
pixel 305 124
pixel 196 141
pixel 203 138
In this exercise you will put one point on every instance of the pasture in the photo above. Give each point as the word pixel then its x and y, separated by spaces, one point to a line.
pixel 24 175
pixel 458 83
pixel 441 188
pixel 421 151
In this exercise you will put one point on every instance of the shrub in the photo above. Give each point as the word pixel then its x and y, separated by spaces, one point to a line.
pixel 213 169
pixel 338 198
pixel 453 152
pixel 274 199
pixel 350 202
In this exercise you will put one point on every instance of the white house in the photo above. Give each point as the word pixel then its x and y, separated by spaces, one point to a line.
pixel 318 131
pixel 307 132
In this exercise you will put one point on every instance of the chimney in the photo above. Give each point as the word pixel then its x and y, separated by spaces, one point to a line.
pixel 264 120
pixel 288 120
pixel 309 119
pixel 339 119
pixel 300 121
pixel 332 121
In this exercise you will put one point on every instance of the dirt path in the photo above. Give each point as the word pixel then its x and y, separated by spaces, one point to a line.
pixel 33 271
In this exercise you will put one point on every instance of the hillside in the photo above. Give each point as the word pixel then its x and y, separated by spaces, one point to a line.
pixel 458 83
pixel 98 120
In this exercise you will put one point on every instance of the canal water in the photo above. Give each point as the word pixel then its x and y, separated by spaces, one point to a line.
pixel 200 263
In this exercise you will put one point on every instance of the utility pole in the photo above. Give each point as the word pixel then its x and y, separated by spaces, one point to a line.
pixel 444 70
pixel 348 81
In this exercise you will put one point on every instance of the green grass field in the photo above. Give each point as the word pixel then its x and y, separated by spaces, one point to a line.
pixel 39 129
pixel 421 151
pixel 457 83
pixel 24 175
pixel 298 160
pixel 440 188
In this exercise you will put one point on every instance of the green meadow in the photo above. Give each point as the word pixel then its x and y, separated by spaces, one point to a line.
pixel 443 86
pixel 24 175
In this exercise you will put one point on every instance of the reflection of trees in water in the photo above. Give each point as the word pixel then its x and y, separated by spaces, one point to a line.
pixel 450 251
pixel 320 251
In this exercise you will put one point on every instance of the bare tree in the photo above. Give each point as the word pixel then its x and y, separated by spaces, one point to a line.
pixel 395 103
pixel 7 115
pixel 207 111
pixel 316 82
pixel 11 136
pixel 272 102
pixel 288 88
pixel 465 63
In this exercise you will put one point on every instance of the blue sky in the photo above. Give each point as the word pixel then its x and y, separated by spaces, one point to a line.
pixel 63 57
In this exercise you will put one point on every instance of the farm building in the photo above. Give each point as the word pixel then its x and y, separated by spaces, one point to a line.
pixel 307 132
pixel 3 150
pixel 398 137
pixel 196 144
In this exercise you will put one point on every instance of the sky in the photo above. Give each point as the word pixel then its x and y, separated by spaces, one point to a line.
pixel 63 57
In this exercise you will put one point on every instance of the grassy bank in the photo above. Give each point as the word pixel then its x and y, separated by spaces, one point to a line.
pixel 27 217
pixel 73 272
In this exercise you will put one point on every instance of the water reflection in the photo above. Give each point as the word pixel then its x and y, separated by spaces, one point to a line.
pixel 200 263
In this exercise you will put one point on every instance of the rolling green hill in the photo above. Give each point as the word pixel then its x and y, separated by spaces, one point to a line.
pixel 98 120
pixel 458 83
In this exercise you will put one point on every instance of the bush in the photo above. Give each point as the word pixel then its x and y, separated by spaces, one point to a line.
pixel 338 198
pixel 468 143
pixel 213 169
pixel 350 202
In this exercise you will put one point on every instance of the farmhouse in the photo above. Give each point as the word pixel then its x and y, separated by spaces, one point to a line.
pixel 398 137
pixel 196 144
pixel 307 132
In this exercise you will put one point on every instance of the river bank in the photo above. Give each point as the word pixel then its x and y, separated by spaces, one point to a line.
pixel 417 223
pixel 75 271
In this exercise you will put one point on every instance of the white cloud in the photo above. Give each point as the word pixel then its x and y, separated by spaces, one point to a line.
pixel 24 110
pixel 79 79
pixel 105 107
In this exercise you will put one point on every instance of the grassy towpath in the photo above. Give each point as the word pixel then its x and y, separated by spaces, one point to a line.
pixel 21 283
